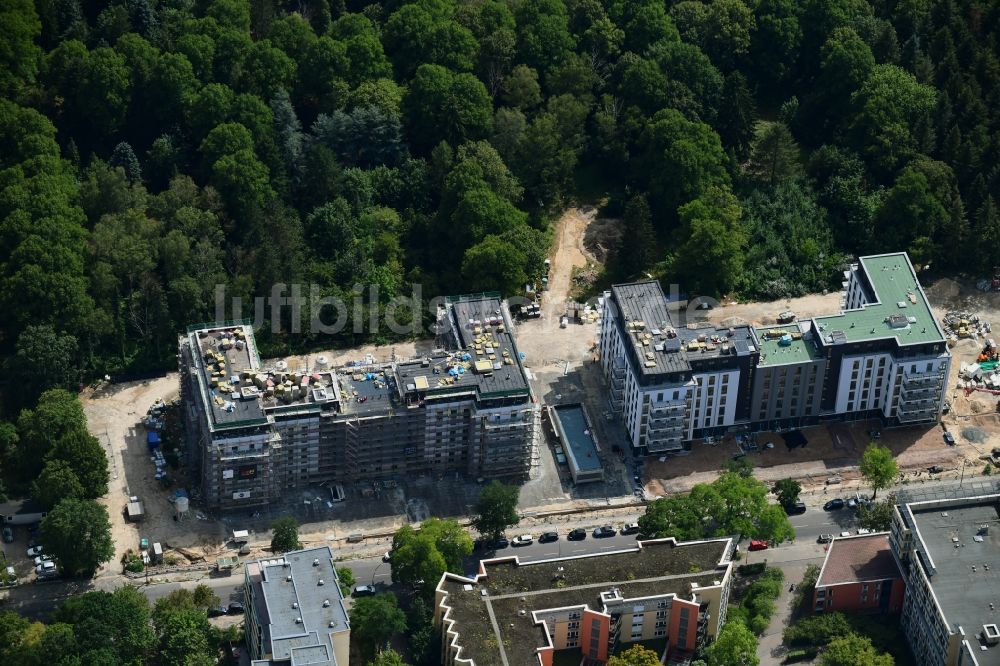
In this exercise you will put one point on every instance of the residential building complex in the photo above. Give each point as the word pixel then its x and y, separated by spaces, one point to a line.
pixel 860 575
pixel 588 606
pixel 295 613
pixel 883 356
pixel 257 429
pixel 949 551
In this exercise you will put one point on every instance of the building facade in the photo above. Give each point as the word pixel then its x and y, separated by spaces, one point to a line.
pixel 948 552
pixel 859 575
pixel 295 613
pixel 589 606
pixel 256 430
pixel 883 356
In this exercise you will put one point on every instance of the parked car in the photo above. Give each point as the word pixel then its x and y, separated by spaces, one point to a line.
pixel 834 505
pixel 387 556
pixel 604 532
pixel 548 537
pixel 579 534
pixel 845 533
pixel 218 611
pixel 524 540
pixel 235 608
pixel 42 558
pixel 795 509
pixel 35 551
pixel 949 438
pixel 824 538
pixel 630 528
pixel 852 503
pixel 499 544
pixel 363 591
pixel 758 544
pixel 935 469
pixel 864 530
pixel 8 535
pixel 45 567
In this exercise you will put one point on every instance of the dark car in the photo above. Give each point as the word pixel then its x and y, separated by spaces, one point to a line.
pixel 935 469
pixel 363 591
pixel 8 535
pixel 579 534
pixel 217 612
pixel 834 505
pixel 630 528
pixel 499 544
pixel 949 438
pixel 235 608
pixel 604 532
pixel 548 537
pixel 795 509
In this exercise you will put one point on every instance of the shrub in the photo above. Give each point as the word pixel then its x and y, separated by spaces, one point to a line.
pixel 750 569
pixel 817 629
pixel 803 654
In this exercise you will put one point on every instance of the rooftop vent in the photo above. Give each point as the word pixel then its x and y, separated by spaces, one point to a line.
pixel 288 579
pixel 522 613
pixel 295 604
pixel 322 582
pixel 326 603
pixel 991 634
pixel 333 623
pixel 298 620
pixel 315 563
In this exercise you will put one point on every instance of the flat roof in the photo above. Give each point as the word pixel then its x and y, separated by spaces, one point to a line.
pixel 962 565
pixel 657 346
pixel 295 590
pixel 487 610
pixel 858 559
pixel 483 358
pixel 893 282
pixel 580 443
pixel 785 345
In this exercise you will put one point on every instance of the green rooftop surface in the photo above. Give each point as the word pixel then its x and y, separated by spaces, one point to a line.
pixel 893 280
pixel 773 353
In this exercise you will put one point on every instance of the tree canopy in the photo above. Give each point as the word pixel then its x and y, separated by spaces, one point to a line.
pixel 878 467
pixel 496 509
pixel 420 557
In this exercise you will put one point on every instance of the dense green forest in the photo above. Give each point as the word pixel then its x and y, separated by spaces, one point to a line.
pixel 151 149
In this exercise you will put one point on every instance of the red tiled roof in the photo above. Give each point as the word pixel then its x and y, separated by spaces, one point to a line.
pixel 857 559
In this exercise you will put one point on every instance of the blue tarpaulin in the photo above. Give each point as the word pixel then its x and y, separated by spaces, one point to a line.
pixel 152 439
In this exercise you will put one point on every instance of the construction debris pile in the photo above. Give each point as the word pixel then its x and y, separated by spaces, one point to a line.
pixel 989 285
pixel 958 325
pixel 983 375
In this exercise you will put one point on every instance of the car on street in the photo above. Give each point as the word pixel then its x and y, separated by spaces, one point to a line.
pixel 217 611
pixel 548 537
pixel 42 558
pixel 835 504
pixel 46 567
pixel 235 608
pixel 949 438
pixel 852 503
pixel 499 544
pixel 523 540
pixel 387 556
pixel 795 509
pixel 824 538
pixel 758 544
pixel 630 528
pixel 579 534
pixel 935 469
pixel 35 551
pixel 604 532
pixel 363 591
pixel 8 535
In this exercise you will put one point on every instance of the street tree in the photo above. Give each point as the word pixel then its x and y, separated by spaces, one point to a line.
pixel 424 554
pixel 183 636
pixel 878 467
pixel 734 646
pixel 77 533
pixel 387 658
pixel 877 516
pixel 110 622
pixel 374 620
pixel 285 535
pixel 345 580
pixel 204 597
pixel 787 491
pixel 637 655
pixel 496 510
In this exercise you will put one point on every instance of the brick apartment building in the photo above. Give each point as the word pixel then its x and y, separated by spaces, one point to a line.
pixel 859 575
pixel 585 607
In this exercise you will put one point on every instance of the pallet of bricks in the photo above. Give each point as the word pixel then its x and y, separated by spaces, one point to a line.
pixel 958 325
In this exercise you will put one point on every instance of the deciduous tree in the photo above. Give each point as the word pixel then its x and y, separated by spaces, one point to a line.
pixel 77 533
pixel 496 509
pixel 878 467
pixel 734 646
pixel 375 619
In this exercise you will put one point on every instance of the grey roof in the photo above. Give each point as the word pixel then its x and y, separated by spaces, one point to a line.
pixel 298 625
pixel 465 316
pixel 25 507
pixel 646 325
pixel 964 574
pixel 582 447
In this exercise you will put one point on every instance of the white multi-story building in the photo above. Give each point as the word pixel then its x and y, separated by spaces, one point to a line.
pixel 883 356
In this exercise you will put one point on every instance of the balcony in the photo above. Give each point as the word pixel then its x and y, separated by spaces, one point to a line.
pixel 668 407
pixel 909 392
pixel 661 442
pixel 921 379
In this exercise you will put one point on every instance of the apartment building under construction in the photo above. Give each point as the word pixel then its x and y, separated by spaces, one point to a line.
pixel 882 356
pixel 256 429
